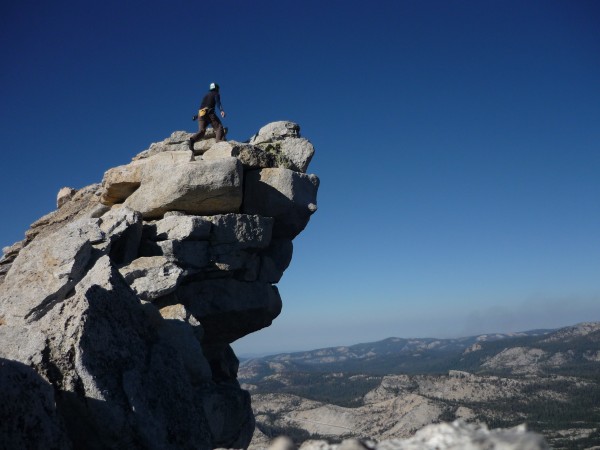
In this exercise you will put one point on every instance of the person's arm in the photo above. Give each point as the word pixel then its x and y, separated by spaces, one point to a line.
pixel 218 104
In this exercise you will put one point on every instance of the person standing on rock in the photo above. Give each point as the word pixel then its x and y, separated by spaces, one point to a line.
pixel 207 114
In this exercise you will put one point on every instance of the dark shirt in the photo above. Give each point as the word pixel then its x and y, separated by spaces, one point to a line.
pixel 210 100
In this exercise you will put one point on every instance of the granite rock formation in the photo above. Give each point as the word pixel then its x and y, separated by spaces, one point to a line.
pixel 118 309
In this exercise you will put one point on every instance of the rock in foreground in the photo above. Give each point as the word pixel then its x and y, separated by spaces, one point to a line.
pixel 457 435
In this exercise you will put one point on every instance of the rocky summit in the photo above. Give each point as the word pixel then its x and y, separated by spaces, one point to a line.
pixel 118 309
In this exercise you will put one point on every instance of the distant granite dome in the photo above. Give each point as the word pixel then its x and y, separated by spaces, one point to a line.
pixel 118 309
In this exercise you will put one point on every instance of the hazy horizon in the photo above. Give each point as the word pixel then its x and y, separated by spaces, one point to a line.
pixel 263 339
pixel 248 355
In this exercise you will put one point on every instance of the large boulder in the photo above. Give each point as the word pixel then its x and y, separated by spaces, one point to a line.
pixel 46 271
pixel 115 381
pixel 287 196
pixel 283 141
pixel 152 277
pixel 247 231
pixel 26 395
pixel 299 153
pixel 197 187
pixel 237 242
pixel 229 309
pixel 275 131
pixel 178 228
pixel 122 181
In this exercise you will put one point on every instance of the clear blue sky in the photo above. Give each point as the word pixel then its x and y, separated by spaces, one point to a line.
pixel 457 142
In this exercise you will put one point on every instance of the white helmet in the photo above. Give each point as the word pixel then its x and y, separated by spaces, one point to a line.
pixel 214 86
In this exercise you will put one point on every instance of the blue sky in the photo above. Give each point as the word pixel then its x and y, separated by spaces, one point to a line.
pixel 457 144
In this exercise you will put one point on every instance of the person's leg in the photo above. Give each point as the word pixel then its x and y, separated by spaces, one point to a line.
pixel 200 134
pixel 217 126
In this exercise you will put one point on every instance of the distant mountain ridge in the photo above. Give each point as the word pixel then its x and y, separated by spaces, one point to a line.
pixel 431 355
pixel 547 379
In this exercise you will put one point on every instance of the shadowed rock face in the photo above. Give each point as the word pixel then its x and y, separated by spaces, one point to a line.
pixel 118 309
